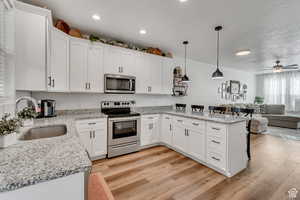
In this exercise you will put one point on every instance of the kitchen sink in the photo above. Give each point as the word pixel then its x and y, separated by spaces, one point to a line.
pixel 45 132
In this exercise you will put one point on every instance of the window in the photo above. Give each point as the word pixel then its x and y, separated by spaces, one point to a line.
pixel 281 88
pixel 6 52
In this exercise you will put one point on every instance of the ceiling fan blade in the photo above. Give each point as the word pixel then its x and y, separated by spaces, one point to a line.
pixel 294 65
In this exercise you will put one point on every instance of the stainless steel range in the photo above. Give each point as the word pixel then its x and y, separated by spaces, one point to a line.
pixel 123 127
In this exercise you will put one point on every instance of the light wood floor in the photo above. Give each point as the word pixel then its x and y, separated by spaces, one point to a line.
pixel 160 173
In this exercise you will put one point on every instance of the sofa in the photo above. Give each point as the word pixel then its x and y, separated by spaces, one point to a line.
pixel 278 117
pixel 274 113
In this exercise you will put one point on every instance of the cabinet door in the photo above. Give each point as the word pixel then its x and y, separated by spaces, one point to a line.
pixel 167 75
pixel 30 48
pixel 59 70
pixel 95 69
pixel 155 64
pixel 86 140
pixel 112 61
pixel 78 66
pixel 166 132
pixel 145 132
pixel 179 138
pixel 155 130
pixel 150 130
pixel 143 74
pixel 197 144
pixel 99 142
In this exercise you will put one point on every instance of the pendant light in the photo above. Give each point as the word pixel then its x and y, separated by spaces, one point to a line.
pixel 218 74
pixel 185 78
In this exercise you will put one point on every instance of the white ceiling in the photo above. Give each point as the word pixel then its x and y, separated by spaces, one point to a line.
pixel 270 28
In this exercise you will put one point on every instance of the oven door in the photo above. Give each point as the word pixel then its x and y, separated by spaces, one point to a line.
pixel 119 84
pixel 123 130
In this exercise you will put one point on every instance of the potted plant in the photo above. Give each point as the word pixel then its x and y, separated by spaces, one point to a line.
pixel 8 128
pixel 27 115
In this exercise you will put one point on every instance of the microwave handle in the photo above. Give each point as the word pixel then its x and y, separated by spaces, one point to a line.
pixel 130 84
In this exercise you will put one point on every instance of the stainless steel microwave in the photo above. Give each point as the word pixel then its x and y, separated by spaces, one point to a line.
pixel 119 84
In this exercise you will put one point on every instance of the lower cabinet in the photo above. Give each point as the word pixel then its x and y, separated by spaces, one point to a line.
pixel 150 129
pixel 197 144
pixel 93 136
pixel 166 133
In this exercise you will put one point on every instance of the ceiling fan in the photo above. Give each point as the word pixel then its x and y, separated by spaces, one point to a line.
pixel 279 68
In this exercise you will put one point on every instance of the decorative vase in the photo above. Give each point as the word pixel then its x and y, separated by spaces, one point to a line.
pixel 7 140
pixel 28 123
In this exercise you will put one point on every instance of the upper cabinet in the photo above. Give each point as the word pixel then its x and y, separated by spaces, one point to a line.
pixel 58 70
pixel 86 66
pixel 167 75
pixel 149 74
pixel 31 50
pixel 119 61
pixel 95 68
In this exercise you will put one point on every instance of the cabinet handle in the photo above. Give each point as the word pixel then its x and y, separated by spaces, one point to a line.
pixel 49 79
pixel 150 118
pixel 94 134
pixel 196 124
pixel 167 118
pixel 217 129
pixel 89 86
pixel 170 127
pixel 217 159
pixel 90 134
pixel 92 123
pixel 150 89
pixel 185 132
pixel 216 142
pixel 53 83
pixel 180 121
pixel 86 86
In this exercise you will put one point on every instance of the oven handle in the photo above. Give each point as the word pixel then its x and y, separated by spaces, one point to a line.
pixel 123 119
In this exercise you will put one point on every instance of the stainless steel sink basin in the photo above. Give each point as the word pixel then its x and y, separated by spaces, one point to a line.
pixel 45 132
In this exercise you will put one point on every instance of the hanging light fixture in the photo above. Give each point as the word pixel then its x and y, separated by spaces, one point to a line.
pixel 185 78
pixel 218 74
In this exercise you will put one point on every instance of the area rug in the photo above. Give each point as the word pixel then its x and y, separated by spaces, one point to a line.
pixel 285 133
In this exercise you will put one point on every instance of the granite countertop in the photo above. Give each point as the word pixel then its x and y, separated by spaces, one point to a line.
pixel 35 161
pixel 226 119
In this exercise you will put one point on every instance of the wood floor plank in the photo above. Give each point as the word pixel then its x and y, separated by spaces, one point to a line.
pixel 161 173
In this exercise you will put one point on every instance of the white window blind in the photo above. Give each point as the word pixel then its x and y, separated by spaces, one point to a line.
pixel 2 51
pixel 6 51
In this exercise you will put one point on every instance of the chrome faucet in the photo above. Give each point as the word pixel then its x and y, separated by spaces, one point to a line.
pixel 28 99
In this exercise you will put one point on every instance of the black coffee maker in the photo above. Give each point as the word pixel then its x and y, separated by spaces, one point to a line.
pixel 48 108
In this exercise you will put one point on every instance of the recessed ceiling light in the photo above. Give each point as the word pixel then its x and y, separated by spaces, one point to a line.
pixel 243 53
pixel 96 17
pixel 183 1
pixel 143 31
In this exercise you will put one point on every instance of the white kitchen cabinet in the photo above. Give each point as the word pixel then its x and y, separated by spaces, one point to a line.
pixel 119 61
pixel 95 76
pixel 167 75
pixel 85 138
pixel 86 66
pixel 58 72
pixel 93 135
pixel 78 65
pixel 149 77
pixel 149 129
pixel 197 144
pixel 31 50
pixel 179 137
pixel 166 134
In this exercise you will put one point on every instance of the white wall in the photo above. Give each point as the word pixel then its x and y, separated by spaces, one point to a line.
pixel 203 90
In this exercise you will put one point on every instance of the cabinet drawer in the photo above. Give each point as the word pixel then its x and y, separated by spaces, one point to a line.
pixel 218 144
pixel 179 121
pixel 196 125
pixel 166 117
pixel 216 129
pixel 216 159
pixel 94 124
pixel 150 117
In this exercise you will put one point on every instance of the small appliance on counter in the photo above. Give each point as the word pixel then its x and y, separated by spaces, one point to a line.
pixel 197 108
pixel 47 108
pixel 180 107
